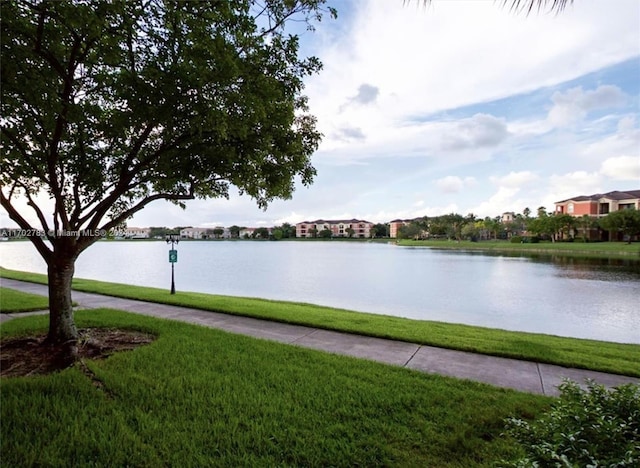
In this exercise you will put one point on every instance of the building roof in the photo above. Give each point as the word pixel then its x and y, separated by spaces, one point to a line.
pixel 335 221
pixel 408 220
pixel 615 195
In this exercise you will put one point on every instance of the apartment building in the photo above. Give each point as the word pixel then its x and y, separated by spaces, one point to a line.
pixel 194 233
pixel 599 204
pixel 339 228
pixel 396 224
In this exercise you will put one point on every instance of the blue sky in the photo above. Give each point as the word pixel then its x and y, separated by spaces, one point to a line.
pixel 461 106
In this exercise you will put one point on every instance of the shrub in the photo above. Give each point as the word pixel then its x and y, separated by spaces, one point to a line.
pixel 592 427
pixel 516 240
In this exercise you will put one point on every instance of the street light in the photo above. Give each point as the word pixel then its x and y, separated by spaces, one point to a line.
pixel 173 257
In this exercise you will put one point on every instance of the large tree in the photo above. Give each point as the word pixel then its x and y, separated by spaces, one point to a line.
pixel 108 106
pixel 625 221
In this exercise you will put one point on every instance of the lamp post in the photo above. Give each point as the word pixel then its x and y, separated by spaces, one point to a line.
pixel 173 257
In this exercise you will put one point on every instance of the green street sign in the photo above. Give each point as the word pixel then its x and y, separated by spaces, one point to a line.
pixel 173 256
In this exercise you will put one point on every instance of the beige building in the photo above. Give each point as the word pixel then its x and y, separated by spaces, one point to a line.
pixel 194 233
pixel 355 228
pixel 508 217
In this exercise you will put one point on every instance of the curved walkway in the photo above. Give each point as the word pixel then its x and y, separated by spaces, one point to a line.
pixel 520 375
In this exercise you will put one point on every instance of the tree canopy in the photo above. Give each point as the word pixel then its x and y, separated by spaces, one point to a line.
pixel 626 222
pixel 109 106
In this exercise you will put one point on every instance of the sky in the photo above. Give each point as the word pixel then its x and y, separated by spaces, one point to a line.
pixel 459 106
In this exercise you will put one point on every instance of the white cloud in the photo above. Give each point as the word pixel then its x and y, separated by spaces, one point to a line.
pixel 349 134
pixel 515 179
pixel 623 142
pixel 454 184
pixel 384 216
pixel 291 218
pixel 421 63
pixel 501 201
pixel 622 168
pixel 479 131
pixel 573 105
pixel 627 124
pixel 448 142
pixel 564 186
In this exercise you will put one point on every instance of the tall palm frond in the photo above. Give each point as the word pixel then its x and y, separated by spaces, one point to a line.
pixel 527 6
pixel 519 6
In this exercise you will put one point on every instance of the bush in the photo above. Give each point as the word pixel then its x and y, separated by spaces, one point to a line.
pixel 592 427
pixel 516 240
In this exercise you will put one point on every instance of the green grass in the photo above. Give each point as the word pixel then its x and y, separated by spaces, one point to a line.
pixel 572 249
pixel 203 397
pixel 570 352
pixel 12 301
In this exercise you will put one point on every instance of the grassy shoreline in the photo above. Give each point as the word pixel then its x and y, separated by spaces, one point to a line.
pixel 602 250
pixel 569 352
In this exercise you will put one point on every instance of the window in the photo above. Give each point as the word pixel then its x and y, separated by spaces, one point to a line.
pixel 570 208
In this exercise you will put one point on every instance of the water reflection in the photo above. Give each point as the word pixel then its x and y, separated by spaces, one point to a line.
pixel 607 269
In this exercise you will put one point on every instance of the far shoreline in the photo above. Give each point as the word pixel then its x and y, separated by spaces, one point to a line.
pixel 594 250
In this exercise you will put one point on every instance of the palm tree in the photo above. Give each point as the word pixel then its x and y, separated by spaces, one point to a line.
pixel 585 223
pixel 527 6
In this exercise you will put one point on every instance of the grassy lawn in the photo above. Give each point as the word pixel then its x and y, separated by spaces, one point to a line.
pixel 17 301
pixel 574 249
pixel 587 354
pixel 202 397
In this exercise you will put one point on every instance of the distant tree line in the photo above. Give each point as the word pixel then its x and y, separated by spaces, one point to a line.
pixel 453 226
pixel 544 226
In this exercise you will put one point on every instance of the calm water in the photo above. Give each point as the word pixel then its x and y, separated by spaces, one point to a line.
pixel 568 297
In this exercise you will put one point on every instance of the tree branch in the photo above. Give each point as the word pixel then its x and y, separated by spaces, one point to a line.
pixel 126 176
pixel 77 209
pixel 48 56
pixel 136 149
pixel 61 123
pixel 140 205
pixel 24 224
pixel 85 242
pixel 38 211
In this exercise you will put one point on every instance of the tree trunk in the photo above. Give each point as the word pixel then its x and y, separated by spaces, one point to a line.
pixel 62 328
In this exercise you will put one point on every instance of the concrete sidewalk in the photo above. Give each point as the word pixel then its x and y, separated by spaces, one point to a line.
pixel 526 376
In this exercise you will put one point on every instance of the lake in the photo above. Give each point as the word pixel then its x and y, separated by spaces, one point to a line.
pixel 581 298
